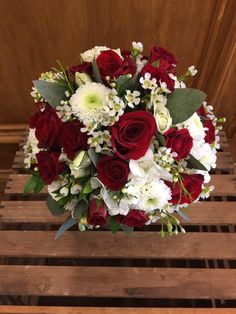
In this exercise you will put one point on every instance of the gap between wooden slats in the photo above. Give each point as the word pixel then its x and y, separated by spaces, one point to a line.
pixel 118 282
pixel 144 245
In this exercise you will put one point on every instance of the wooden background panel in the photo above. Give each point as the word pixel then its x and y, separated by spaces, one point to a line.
pixel 34 34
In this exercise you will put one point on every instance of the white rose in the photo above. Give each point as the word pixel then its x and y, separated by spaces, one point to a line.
pixel 163 118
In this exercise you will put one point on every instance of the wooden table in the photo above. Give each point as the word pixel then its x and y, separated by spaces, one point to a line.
pixel 141 272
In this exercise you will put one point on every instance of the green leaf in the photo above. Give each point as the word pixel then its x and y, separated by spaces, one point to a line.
pixel 161 139
pixel 183 102
pixel 87 188
pixel 93 156
pixel 30 185
pixel 55 208
pixel 40 185
pixel 80 208
pixel 66 225
pixel 194 163
pixel 126 229
pixel 112 223
pixel 96 73
pixel 124 83
pixel 52 92
pixel 156 64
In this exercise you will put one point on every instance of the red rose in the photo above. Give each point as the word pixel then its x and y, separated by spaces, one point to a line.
pixel 111 64
pixel 85 67
pixel 49 166
pixel 47 126
pixel 159 74
pixel 210 132
pixel 135 218
pixel 113 172
pixel 97 214
pixel 166 59
pixel 201 111
pixel 108 63
pixel 72 139
pixel 179 141
pixel 192 189
pixel 132 134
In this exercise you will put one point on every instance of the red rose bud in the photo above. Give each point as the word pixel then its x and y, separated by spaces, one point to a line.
pixel 49 166
pixel 188 191
pixel 85 67
pixel 135 218
pixel 108 63
pixel 97 214
pixel 179 141
pixel 47 127
pixel 72 139
pixel 210 131
pixel 201 111
pixel 132 134
pixel 165 58
pixel 113 172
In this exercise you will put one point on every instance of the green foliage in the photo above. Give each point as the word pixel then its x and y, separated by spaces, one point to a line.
pixel 96 73
pixel 127 229
pixel 113 225
pixel 124 83
pixel 54 207
pixel 193 163
pixel 53 92
pixel 87 188
pixel 93 156
pixel 35 184
pixel 183 102
pixel 66 225
pixel 80 208
pixel 160 138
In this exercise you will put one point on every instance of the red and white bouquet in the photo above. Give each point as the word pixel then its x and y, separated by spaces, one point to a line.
pixel 120 141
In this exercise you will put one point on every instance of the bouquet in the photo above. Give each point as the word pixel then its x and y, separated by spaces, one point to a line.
pixel 120 141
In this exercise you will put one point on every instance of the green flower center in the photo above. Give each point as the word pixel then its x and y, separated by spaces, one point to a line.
pixel 93 101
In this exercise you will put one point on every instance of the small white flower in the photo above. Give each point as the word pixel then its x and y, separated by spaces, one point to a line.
pixel 157 98
pixel 178 84
pixel 147 82
pixel 75 189
pixel 64 191
pixel 192 70
pixel 140 63
pixel 137 46
pixel 132 98
pixel 82 78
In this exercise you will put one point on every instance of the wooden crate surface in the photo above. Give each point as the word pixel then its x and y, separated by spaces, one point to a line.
pixel 118 270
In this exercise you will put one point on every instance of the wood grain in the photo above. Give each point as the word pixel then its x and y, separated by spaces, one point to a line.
pixel 123 282
pixel 195 31
pixel 140 244
pixel 110 310
pixel 36 212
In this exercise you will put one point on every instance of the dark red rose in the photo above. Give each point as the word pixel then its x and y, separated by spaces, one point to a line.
pixel 192 188
pixel 135 218
pixel 72 139
pixel 180 142
pixel 166 59
pixel 85 67
pixel 49 166
pixel 113 172
pixel 108 63
pixel 159 74
pixel 47 127
pixel 97 214
pixel 210 132
pixel 127 67
pixel 132 134
pixel 201 111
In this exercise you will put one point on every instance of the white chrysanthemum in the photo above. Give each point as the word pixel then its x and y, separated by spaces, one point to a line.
pixel 151 193
pixel 89 101
pixel 90 54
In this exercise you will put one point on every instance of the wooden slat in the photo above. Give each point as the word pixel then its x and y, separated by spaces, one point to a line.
pixel 224 184
pixel 204 213
pixel 184 283
pixel 109 310
pixel 75 244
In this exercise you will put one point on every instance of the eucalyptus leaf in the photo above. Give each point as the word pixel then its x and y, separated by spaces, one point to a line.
pixel 66 225
pixel 55 208
pixel 124 83
pixel 183 102
pixel 96 73
pixel 52 92
pixel 93 156
pixel 194 163
pixel 80 208
pixel 127 229
pixel 161 139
